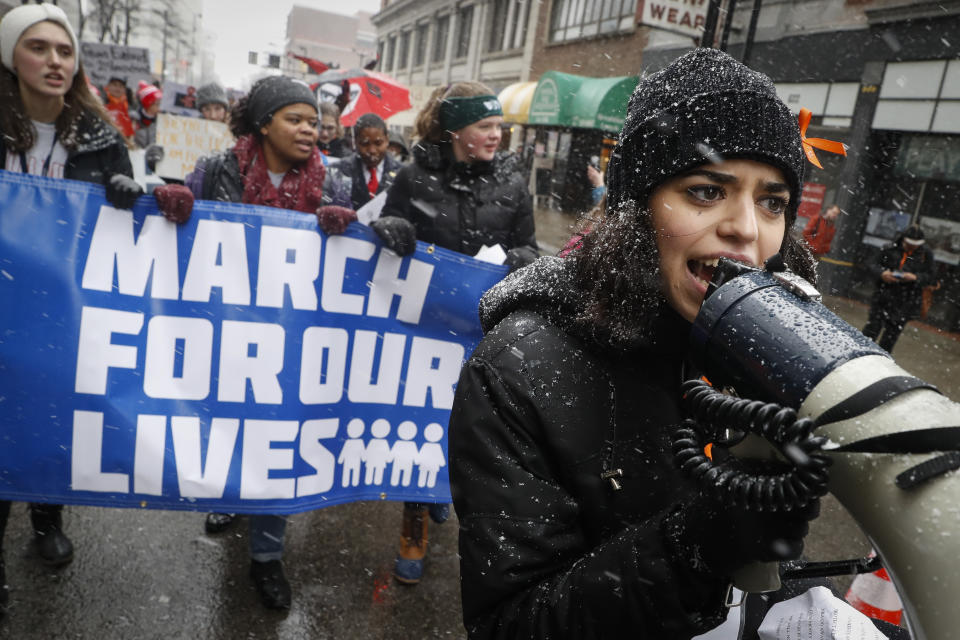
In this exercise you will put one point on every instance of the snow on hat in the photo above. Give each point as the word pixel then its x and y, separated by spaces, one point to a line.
pixel 211 94
pixel 19 19
pixel 148 94
pixel 273 93
pixel 705 105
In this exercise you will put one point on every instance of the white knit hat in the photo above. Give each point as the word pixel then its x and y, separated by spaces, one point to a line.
pixel 21 18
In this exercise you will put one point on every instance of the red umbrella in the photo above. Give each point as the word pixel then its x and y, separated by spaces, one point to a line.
pixel 370 92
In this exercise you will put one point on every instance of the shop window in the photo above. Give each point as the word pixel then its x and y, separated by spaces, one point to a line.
pixel 572 19
pixel 464 26
pixel 404 50
pixel 440 40
pixel 508 24
pixel 420 46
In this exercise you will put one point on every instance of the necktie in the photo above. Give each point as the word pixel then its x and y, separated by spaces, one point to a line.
pixel 373 184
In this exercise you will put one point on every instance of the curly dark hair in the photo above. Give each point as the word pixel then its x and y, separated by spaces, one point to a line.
pixel 238 121
pixel 618 268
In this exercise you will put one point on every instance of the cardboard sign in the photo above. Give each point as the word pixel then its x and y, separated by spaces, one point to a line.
pixel 104 61
pixel 185 140
pixel 179 99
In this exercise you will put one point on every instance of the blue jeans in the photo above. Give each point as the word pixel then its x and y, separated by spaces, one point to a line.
pixel 266 537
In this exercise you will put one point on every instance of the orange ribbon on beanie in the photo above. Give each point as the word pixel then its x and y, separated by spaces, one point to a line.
pixel 819 143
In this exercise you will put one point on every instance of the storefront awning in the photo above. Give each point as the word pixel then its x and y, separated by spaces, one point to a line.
pixel 516 100
pixel 567 100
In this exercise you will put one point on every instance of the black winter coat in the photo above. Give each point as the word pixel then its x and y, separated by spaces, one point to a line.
pixel 548 548
pixel 460 206
pixel 352 167
pixel 100 153
pixel 903 297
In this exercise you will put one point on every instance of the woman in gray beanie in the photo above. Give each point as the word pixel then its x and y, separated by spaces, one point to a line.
pixel 212 102
pixel 574 521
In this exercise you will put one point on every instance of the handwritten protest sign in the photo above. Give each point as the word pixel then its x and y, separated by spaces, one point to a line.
pixel 185 140
pixel 241 362
pixel 104 61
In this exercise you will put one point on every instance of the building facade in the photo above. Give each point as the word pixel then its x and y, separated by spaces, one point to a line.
pixel 883 77
pixel 331 38
pixel 426 44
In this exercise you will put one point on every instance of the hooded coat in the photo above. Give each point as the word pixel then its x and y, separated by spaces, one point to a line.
pixel 99 154
pixel 463 206
pixel 570 556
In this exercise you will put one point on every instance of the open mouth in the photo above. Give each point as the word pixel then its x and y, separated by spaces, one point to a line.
pixel 702 270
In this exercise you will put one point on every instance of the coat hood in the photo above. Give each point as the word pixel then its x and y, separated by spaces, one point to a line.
pixel 548 287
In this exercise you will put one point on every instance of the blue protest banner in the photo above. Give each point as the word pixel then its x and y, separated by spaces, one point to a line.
pixel 241 362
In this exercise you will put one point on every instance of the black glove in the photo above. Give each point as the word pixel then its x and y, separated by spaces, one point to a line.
pixel 397 234
pixel 707 535
pixel 153 155
pixel 123 191
pixel 519 257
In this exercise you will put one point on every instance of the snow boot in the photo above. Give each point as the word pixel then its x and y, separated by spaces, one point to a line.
pixel 439 512
pixel 408 567
pixel 53 546
pixel 217 522
pixel 271 584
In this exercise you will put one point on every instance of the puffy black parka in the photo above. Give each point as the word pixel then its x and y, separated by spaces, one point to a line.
pixel 460 206
pixel 99 154
pixel 549 547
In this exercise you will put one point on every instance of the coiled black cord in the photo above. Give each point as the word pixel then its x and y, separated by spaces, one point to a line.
pixel 772 488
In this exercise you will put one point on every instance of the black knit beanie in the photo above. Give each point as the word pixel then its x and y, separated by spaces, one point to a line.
pixel 269 95
pixel 704 107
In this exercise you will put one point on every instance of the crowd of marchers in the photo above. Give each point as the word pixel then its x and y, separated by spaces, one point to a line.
pixel 574 521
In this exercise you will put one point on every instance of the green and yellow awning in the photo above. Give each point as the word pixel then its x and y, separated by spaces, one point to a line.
pixel 567 100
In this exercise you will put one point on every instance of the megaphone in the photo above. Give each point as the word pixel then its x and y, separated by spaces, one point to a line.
pixel 893 439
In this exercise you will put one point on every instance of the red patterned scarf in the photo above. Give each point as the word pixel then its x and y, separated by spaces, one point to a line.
pixel 300 190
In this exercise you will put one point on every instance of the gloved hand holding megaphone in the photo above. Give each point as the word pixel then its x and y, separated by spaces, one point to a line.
pixel 891 440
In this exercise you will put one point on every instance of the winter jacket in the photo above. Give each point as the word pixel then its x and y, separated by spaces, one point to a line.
pixel 542 415
pixel 819 234
pixel 351 169
pixel 100 154
pixel 218 177
pixel 903 297
pixel 336 148
pixel 460 206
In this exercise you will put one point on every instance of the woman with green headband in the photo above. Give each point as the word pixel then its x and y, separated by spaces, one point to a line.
pixel 459 193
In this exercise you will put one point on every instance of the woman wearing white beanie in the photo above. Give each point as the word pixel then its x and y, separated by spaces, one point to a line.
pixel 51 125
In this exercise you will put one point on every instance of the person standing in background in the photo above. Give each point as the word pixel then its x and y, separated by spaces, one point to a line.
pixel 212 102
pixel 118 105
pixel 330 141
pixel 903 270
pixel 371 170
pixel 149 97
pixel 820 229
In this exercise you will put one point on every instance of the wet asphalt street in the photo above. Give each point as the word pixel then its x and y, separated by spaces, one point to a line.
pixel 154 574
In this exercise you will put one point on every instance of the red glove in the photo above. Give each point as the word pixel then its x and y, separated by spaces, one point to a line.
pixel 334 220
pixel 175 202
